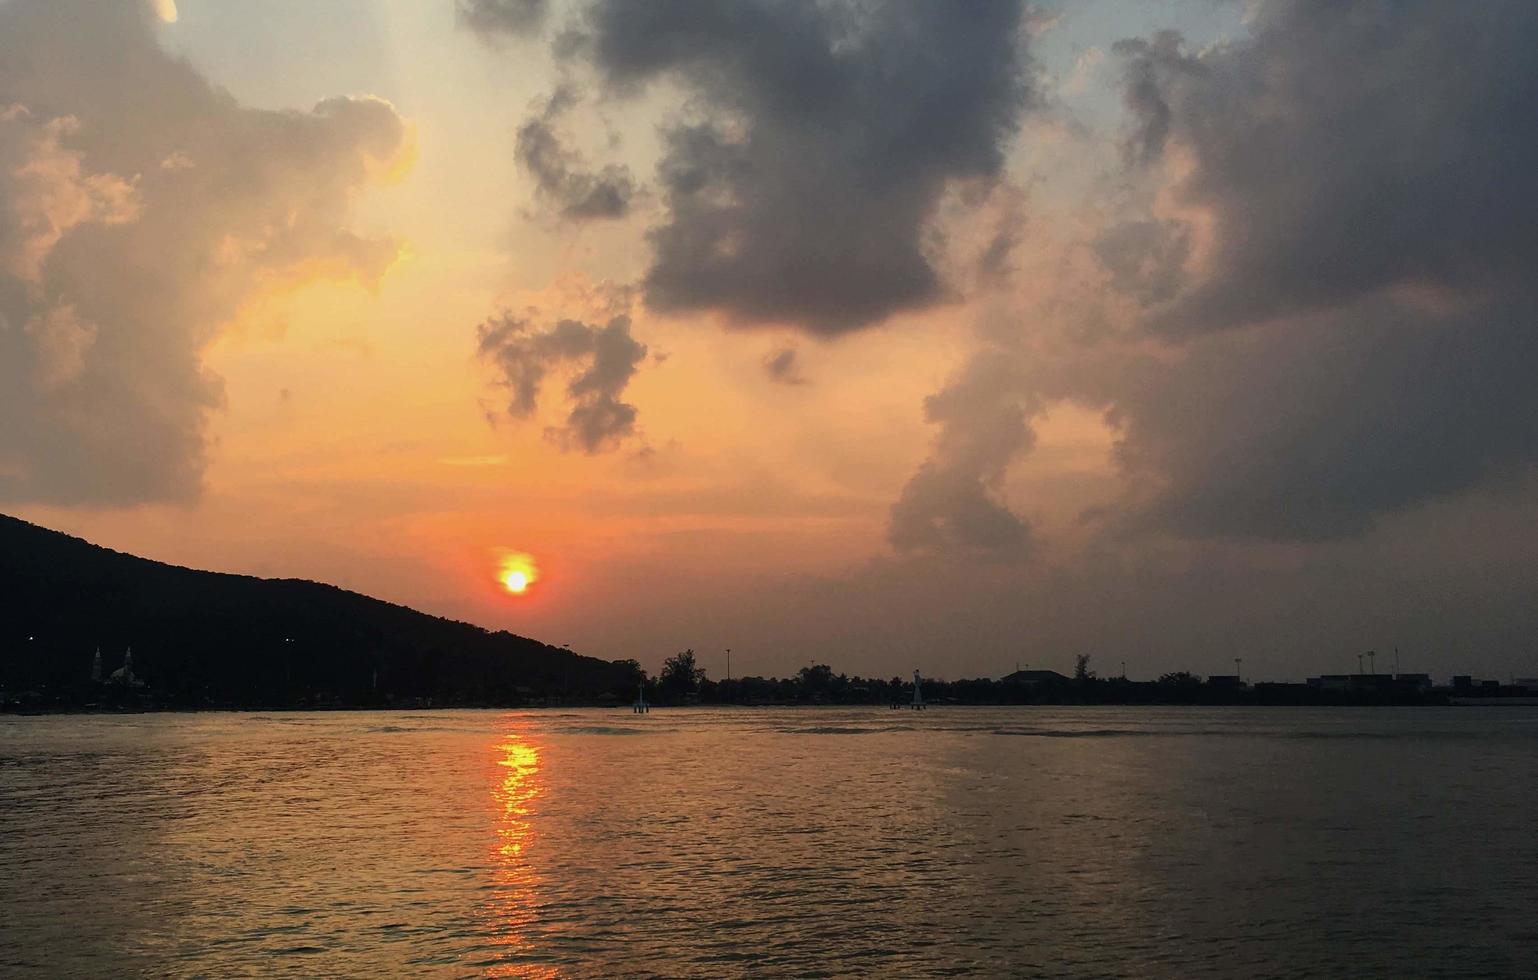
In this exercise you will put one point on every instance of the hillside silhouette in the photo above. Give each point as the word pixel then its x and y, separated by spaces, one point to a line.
pixel 213 639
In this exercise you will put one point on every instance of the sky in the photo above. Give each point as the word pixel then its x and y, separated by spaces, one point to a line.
pixel 886 335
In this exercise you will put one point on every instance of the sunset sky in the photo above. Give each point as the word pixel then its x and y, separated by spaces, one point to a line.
pixel 880 334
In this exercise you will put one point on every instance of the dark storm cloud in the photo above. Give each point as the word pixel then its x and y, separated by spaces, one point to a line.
pixel 1346 148
pixel 605 359
pixel 140 207
pixel 517 18
pixel 951 506
pixel 1344 291
pixel 813 146
pixel 560 174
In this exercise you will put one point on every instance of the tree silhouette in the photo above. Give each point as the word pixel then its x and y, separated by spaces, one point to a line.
pixel 816 678
pixel 680 674
pixel 1180 678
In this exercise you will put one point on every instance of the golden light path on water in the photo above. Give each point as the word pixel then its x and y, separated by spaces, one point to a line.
pixel 515 785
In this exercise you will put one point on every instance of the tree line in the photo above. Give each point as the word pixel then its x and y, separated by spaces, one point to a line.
pixel 683 680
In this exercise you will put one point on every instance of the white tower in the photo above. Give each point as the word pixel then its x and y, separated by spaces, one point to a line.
pixel 640 707
pixel 918 694
pixel 96 667
pixel 124 675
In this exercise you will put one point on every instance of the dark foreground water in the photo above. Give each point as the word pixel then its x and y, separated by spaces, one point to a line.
pixel 1174 842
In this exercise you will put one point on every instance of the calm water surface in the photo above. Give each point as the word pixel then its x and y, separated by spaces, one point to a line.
pixel 999 842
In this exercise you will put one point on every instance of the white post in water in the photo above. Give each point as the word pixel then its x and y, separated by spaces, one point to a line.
pixel 918 694
pixel 640 707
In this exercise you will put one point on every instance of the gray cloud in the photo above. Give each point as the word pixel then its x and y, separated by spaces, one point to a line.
pixel 1149 67
pixel 605 359
pixel 1331 320
pixel 1145 258
pixel 1347 148
pixel 140 207
pixel 1344 298
pixel 492 18
pixel 1314 427
pixel 561 175
pixel 814 145
pixel 784 366
pixel 951 505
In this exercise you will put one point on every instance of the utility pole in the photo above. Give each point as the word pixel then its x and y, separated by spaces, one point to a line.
pixel 1396 661
pixel 1359 664
pixel 1372 660
pixel 728 663
pixel 1238 673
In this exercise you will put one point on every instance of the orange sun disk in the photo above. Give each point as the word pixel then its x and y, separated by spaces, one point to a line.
pixel 517 573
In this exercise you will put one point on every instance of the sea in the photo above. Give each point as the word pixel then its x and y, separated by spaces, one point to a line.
pixel 758 842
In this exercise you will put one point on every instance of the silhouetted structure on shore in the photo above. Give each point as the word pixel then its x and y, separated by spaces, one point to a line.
pixel 818 684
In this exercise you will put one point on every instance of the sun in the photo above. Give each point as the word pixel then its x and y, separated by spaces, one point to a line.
pixel 517 572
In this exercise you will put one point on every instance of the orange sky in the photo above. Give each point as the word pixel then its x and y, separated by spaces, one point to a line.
pixel 359 438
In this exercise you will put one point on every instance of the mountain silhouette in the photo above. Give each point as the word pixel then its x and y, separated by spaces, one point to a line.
pixel 213 639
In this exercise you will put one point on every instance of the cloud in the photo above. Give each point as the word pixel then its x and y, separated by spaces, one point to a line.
pixel 811 146
pixel 1315 427
pixel 951 506
pixel 1149 67
pixel 117 271
pixel 783 366
pixel 1337 266
pixel 1145 258
pixel 560 174
pixel 604 360
pixel 46 192
pixel 1312 310
pixel 493 18
pixel 1344 149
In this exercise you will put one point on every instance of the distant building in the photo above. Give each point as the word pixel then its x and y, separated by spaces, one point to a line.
pixel 1030 678
pixel 1413 682
pixel 1354 682
pixel 124 675
pixel 1224 680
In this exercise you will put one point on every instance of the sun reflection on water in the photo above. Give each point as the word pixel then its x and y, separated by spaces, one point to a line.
pixel 515 786
pixel 519 786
